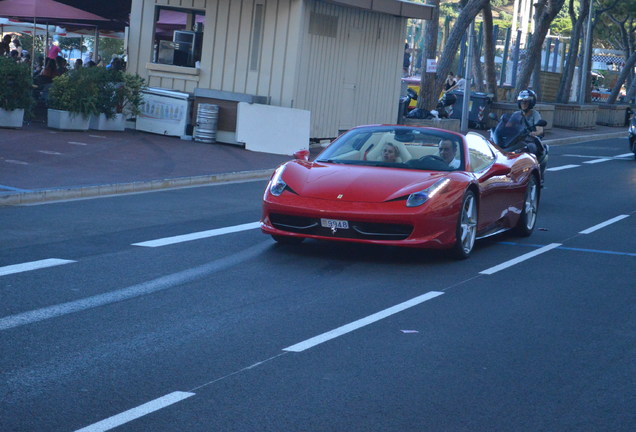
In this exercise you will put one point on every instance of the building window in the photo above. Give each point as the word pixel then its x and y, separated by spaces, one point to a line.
pixel 323 25
pixel 257 36
pixel 178 36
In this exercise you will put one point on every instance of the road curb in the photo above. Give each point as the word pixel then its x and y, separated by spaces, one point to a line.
pixel 59 194
pixel 590 137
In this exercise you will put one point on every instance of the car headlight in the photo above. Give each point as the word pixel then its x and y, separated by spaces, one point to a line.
pixel 276 184
pixel 419 198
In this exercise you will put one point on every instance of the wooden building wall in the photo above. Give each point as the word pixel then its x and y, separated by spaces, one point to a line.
pixel 346 78
pixel 352 77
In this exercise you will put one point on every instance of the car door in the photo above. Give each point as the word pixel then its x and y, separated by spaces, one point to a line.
pixel 492 173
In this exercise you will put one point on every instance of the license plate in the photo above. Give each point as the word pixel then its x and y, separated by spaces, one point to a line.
pixel 334 223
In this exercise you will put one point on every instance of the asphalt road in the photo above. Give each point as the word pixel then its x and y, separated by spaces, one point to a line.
pixel 126 324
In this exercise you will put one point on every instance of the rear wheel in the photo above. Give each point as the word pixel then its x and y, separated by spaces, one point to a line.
pixel 466 231
pixel 528 218
pixel 632 141
pixel 287 240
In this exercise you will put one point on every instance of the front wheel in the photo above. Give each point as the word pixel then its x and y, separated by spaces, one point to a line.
pixel 528 218
pixel 466 231
pixel 632 144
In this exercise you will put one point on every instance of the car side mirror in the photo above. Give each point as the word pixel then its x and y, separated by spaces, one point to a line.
pixel 302 155
pixel 542 123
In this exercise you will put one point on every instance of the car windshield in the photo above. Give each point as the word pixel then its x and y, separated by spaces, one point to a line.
pixel 509 130
pixel 397 147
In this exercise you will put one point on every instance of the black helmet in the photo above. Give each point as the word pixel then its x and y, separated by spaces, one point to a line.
pixel 527 96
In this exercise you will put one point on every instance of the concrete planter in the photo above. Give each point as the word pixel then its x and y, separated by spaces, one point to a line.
pixel 100 122
pixel 11 119
pixel 501 108
pixel 572 116
pixel 612 115
pixel 447 124
pixel 66 120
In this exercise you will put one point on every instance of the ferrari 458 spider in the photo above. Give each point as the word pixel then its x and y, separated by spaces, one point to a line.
pixel 403 186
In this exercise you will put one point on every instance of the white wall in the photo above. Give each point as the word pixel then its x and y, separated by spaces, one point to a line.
pixel 272 129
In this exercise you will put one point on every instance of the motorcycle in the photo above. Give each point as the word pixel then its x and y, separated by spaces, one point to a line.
pixel 447 100
pixel 415 113
pixel 440 111
pixel 512 134
pixel 632 135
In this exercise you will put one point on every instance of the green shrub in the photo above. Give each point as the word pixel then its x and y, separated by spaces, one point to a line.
pixel 75 91
pixel 16 90
pixel 118 92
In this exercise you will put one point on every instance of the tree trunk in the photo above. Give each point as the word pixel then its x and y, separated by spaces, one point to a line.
pixel 563 96
pixel 489 52
pixel 467 15
pixel 631 92
pixel 427 82
pixel 629 65
pixel 478 73
pixel 546 13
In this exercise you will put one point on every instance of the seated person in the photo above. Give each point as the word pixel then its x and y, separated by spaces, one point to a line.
pixel 390 153
pixel 447 151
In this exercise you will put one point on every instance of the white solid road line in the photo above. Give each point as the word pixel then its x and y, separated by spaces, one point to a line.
pixel 624 155
pixel 603 224
pixel 144 288
pixel 135 413
pixel 309 343
pixel 517 260
pixel 562 167
pixel 33 265
pixel 198 235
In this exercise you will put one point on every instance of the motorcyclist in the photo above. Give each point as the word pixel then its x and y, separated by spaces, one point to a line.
pixel 526 102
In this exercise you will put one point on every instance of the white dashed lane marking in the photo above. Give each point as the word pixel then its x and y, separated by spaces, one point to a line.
pixel 309 343
pixel 198 235
pixel 33 265
pixel 603 224
pixel 17 162
pixel 135 413
pixel 562 167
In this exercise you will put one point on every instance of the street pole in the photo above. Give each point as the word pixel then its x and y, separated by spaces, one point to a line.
pixel 469 70
pixel 583 74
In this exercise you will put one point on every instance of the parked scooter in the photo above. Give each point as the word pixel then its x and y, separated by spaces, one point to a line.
pixel 447 100
pixel 415 113
pixel 632 135
pixel 512 134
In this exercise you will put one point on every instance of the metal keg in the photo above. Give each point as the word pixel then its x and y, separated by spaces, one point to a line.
pixel 206 125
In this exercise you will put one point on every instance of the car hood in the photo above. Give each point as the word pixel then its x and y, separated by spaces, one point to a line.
pixel 355 183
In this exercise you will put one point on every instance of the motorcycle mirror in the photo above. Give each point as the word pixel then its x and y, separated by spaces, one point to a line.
pixel 412 94
pixel 542 123
pixel 492 116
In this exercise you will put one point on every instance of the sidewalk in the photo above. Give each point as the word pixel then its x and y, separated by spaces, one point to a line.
pixel 38 164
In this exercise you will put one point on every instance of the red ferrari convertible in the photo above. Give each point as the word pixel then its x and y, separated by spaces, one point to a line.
pixel 403 186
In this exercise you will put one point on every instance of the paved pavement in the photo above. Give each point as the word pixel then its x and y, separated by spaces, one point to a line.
pixel 38 164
